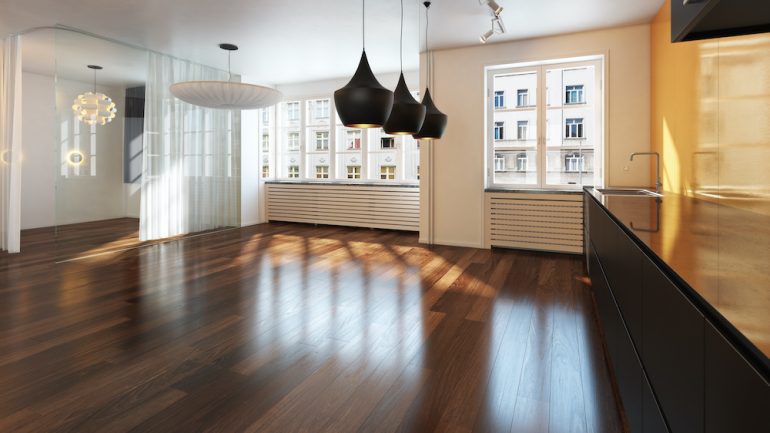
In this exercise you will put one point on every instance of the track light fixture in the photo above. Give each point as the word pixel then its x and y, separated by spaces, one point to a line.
pixel 494 7
pixel 497 28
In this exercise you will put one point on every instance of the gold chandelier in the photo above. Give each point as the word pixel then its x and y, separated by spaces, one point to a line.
pixel 94 108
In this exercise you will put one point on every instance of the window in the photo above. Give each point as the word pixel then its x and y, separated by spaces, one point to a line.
pixel 574 163
pixel 522 98
pixel 499 162
pixel 499 99
pixel 354 171
pixel 322 140
pixel 292 111
pixel 387 143
pixel 293 171
pixel 293 141
pixel 265 171
pixel 353 140
pixel 521 162
pixel 265 117
pixel 552 143
pixel 321 171
pixel 265 143
pixel 322 109
pixel 574 95
pixel 573 128
pixel 499 130
pixel 418 172
pixel 388 172
pixel 521 129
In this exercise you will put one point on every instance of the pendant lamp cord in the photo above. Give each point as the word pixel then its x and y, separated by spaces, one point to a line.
pixel 401 44
pixel 94 81
pixel 427 52
pixel 229 73
pixel 363 24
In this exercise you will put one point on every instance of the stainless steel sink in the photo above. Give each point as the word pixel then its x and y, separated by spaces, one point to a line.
pixel 629 192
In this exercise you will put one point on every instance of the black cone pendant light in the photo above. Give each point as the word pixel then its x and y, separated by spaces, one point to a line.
pixel 435 121
pixel 363 102
pixel 407 115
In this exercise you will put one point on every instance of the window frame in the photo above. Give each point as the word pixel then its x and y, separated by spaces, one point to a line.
pixel 525 94
pixel 598 108
pixel 499 99
pixel 578 89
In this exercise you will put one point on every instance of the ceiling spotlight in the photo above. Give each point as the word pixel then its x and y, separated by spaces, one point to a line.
pixel 485 37
pixel 496 8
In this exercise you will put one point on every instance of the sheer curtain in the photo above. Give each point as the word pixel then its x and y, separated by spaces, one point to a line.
pixel 191 160
pixel 10 145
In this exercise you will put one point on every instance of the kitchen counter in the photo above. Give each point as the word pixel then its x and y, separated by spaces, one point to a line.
pixel 720 253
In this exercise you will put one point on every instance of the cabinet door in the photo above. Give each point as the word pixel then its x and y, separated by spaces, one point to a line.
pixel 652 418
pixel 737 397
pixel 625 364
pixel 685 14
pixel 673 354
pixel 626 284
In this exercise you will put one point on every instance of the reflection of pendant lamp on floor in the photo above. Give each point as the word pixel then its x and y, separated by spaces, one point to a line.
pixel 363 102
pixel 94 108
pixel 407 115
pixel 435 121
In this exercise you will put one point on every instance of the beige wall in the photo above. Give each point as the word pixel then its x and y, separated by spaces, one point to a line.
pixel 453 180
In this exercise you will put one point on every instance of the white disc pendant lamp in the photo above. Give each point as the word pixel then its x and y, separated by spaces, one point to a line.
pixel 226 95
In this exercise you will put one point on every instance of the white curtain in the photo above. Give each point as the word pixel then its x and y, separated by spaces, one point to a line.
pixel 10 145
pixel 191 160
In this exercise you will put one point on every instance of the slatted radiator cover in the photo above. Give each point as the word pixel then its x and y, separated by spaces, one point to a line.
pixel 546 222
pixel 384 207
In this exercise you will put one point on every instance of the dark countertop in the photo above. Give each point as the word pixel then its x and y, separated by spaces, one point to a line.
pixel 722 253
pixel 342 183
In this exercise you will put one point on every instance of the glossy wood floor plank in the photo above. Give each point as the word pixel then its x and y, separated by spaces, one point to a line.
pixel 292 328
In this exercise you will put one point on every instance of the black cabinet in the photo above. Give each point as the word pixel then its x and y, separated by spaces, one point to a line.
pixel 737 398
pixel 675 371
pixel 703 19
pixel 673 350
pixel 622 356
pixel 652 418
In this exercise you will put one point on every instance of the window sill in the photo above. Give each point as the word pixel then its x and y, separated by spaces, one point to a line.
pixel 391 184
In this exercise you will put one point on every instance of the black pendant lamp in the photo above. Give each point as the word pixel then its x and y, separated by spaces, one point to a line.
pixel 363 102
pixel 407 115
pixel 435 121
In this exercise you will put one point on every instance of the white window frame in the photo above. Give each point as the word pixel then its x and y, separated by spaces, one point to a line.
pixel 598 136
pixel 353 172
pixel 293 171
pixel 574 89
pixel 293 141
pixel 321 108
pixel 293 111
pixel 522 130
pixel 499 99
pixel 499 131
pixel 265 171
pixel 348 141
pixel 576 158
pixel 388 172
pixel 391 140
pixel 321 143
pixel 322 172
pixel 522 97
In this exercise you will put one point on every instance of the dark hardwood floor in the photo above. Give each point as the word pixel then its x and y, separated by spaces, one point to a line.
pixel 293 328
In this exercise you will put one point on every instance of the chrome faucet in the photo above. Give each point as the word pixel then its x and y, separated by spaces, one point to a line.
pixel 658 183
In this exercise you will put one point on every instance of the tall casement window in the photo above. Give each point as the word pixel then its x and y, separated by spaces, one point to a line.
pixel 499 130
pixel 559 136
pixel 522 127
pixel 305 139
pixel 573 128
pixel 292 111
pixel 322 140
pixel 522 98
pixel 574 94
pixel 499 98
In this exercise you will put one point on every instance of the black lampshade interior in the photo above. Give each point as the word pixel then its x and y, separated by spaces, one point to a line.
pixel 407 115
pixel 435 121
pixel 363 102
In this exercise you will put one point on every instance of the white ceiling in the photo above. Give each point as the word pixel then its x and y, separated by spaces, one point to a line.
pixel 285 41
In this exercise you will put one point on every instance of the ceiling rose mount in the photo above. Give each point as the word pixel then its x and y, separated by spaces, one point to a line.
pixel 226 95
